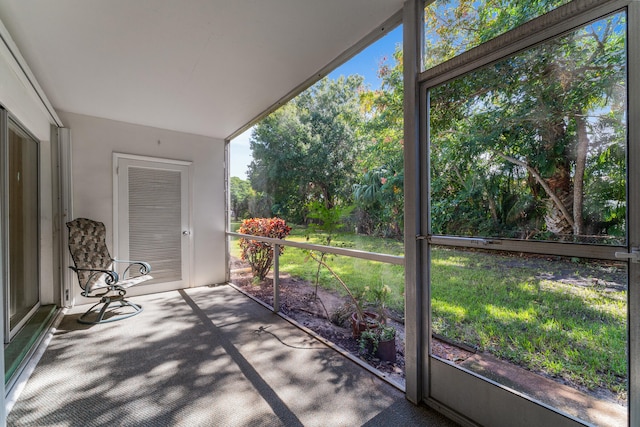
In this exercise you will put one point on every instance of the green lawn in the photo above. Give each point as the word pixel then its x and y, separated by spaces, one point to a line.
pixel 549 315
pixel 363 277
pixel 515 311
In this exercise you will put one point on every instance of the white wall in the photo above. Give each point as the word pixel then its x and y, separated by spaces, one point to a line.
pixel 94 140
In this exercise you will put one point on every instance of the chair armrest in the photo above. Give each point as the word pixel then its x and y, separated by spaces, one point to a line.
pixel 111 277
pixel 142 267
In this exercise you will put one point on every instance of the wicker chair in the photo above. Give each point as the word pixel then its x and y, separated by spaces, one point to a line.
pixel 97 275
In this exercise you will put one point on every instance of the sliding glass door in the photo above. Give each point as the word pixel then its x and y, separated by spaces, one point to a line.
pixel 22 287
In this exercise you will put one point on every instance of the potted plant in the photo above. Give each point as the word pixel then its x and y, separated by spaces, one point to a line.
pixel 380 341
pixel 362 321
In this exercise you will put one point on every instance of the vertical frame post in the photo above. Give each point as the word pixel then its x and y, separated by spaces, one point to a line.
pixel 633 209
pixel 227 210
pixel 276 278
pixel 4 223
pixel 414 308
pixel 4 245
pixel 65 213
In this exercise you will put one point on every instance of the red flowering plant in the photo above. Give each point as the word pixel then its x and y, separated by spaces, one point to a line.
pixel 259 255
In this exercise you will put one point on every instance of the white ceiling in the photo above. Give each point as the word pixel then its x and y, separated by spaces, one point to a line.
pixel 200 66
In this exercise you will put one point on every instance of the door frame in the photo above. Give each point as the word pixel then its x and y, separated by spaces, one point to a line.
pixel 430 370
pixel 188 266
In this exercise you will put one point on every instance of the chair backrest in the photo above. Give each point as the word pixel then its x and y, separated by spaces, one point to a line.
pixel 88 247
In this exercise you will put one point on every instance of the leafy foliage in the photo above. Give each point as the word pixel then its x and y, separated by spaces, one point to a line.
pixel 326 221
pixel 258 254
pixel 379 192
pixel 241 194
pixel 529 147
pixel 456 26
pixel 307 149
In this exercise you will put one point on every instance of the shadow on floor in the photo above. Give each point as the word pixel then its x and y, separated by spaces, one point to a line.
pixel 197 358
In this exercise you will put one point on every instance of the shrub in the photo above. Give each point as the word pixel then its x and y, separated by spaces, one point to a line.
pixel 259 255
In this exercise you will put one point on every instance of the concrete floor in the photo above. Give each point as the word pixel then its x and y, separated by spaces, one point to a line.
pixel 204 357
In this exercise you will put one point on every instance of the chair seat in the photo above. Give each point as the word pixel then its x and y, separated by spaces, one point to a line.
pixel 124 284
pixel 127 283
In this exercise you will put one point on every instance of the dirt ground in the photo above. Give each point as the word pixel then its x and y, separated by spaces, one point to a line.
pixel 298 301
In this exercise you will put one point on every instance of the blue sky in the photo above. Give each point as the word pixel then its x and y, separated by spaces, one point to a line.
pixel 365 63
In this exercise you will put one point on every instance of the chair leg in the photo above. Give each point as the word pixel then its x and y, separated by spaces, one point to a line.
pixel 106 301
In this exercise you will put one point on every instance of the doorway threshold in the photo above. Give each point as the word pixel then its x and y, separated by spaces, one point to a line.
pixel 18 350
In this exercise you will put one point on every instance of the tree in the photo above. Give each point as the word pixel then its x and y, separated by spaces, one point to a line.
pixel 241 193
pixel 308 148
pixel 379 191
pixel 278 155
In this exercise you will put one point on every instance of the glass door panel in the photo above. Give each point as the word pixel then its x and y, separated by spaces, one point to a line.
pixel 528 195
pixel 552 328
pixel 533 147
pixel 24 287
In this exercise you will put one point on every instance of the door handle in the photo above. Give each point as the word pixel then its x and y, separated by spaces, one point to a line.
pixel 186 233
pixel 634 255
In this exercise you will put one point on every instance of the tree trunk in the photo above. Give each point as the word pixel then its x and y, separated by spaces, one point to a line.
pixel 555 219
pixel 492 207
pixel 559 219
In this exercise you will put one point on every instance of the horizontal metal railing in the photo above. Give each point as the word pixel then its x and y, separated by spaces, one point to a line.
pixel 353 253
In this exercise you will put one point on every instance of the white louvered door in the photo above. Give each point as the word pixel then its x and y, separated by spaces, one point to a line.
pixel 153 212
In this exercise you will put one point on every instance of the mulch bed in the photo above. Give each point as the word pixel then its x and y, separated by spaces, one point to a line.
pixel 298 301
